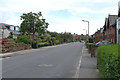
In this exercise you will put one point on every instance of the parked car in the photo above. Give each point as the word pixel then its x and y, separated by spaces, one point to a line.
pixel 103 43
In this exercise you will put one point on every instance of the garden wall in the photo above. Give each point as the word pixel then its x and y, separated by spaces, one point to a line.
pixel 6 49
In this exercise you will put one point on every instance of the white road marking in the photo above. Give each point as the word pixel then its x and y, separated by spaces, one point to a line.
pixel 78 67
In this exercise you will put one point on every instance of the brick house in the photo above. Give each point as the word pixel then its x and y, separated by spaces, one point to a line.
pixel 109 31
pixel 97 36
pixel 76 37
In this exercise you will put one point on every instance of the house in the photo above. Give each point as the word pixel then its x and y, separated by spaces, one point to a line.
pixel 97 36
pixel 76 37
pixel 118 25
pixel 110 28
pixel 108 32
pixel 118 31
pixel 6 30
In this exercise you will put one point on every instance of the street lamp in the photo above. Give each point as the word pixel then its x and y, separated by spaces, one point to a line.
pixel 88 27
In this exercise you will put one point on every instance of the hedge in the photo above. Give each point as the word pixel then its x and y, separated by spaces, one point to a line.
pixel 108 58
pixel 23 38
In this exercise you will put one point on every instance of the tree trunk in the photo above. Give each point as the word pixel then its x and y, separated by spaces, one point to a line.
pixel 33 40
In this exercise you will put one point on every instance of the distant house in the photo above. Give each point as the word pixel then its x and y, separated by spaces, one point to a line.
pixel 6 30
pixel 76 37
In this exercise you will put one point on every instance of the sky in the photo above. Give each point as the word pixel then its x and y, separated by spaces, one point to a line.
pixel 62 15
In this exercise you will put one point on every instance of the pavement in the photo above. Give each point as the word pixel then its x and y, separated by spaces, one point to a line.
pixel 88 68
pixel 62 61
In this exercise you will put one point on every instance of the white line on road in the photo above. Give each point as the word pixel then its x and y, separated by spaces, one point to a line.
pixel 78 67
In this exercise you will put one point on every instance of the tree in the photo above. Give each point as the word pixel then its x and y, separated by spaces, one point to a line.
pixel 33 23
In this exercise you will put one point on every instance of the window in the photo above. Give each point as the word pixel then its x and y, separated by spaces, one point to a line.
pixel 11 27
pixel 17 28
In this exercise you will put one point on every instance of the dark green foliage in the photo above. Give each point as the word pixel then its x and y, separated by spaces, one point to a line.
pixel 10 37
pixel 23 39
pixel 32 23
pixel 108 58
pixel 62 37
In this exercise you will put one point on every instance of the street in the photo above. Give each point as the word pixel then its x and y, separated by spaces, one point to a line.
pixel 57 62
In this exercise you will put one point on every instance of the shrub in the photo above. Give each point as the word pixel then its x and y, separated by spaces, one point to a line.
pixel 57 41
pixel 21 43
pixel 48 39
pixel 108 58
pixel 10 37
pixel 9 44
pixel 4 41
pixel 23 38
pixel 53 39
pixel 43 44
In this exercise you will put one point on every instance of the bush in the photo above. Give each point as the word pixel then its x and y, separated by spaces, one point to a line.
pixel 48 39
pixel 10 37
pixel 10 44
pixel 21 43
pixel 43 44
pixel 23 38
pixel 57 41
pixel 108 58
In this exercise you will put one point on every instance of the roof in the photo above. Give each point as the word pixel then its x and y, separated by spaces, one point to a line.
pixel 112 19
pixel 2 26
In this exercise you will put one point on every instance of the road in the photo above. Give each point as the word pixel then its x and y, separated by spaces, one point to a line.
pixel 57 62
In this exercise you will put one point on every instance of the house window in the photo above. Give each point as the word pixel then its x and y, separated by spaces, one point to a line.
pixel 8 27
pixel 11 27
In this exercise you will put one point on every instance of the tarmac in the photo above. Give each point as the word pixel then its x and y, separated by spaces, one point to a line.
pixel 87 68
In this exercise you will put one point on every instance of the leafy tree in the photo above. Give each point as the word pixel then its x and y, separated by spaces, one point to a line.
pixel 33 23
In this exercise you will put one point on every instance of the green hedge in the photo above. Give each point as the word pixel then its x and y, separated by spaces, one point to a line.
pixel 108 58
pixel 43 44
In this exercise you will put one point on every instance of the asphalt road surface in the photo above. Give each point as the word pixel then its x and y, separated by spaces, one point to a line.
pixel 57 62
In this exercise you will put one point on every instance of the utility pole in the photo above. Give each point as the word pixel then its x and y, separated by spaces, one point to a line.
pixel 88 27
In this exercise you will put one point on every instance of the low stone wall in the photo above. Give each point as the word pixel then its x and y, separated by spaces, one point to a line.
pixel 6 49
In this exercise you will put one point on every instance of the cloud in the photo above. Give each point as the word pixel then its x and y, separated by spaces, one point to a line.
pixel 62 15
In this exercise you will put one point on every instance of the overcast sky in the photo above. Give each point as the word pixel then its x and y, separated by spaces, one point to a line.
pixel 62 15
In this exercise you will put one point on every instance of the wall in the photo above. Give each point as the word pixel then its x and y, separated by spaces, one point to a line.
pixel 6 33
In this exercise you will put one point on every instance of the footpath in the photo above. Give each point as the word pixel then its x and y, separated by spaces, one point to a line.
pixel 88 68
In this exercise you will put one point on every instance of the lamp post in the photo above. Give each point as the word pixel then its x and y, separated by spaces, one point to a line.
pixel 88 27
pixel 85 31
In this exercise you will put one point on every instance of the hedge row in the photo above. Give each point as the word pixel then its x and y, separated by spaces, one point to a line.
pixel 108 58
